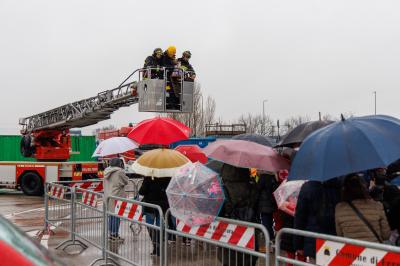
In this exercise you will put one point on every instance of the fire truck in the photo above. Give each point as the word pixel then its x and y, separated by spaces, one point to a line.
pixel 46 136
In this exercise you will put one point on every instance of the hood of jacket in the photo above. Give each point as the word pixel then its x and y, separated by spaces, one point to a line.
pixel 110 170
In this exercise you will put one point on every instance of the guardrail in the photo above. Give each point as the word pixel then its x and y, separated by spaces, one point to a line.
pixel 127 244
pixel 334 250
pixel 89 215
pixel 59 213
pixel 224 241
pixel 132 232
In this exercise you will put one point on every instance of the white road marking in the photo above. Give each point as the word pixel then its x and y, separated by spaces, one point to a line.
pixel 8 216
pixel 45 238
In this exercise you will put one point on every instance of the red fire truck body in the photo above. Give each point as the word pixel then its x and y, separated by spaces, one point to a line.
pixel 30 176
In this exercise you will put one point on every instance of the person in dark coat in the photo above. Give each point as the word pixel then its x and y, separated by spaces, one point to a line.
pixel 240 204
pixel 241 194
pixel 154 61
pixel 267 184
pixel 169 62
pixel 315 212
pixel 153 191
pixel 388 194
pixel 186 66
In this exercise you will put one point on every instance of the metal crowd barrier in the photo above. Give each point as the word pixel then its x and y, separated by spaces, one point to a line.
pixel 224 242
pixel 89 223
pixel 77 207
pixel 111 225
pixel 59 213
pixel 135 249
pixel 334 250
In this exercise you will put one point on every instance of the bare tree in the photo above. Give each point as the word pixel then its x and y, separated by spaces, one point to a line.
pixel 257 124
pixel 209 110
pixel 328 117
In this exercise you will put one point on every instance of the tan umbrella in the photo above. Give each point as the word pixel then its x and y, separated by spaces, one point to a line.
pixel 159 163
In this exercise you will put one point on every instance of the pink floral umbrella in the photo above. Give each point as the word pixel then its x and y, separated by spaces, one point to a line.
pixel 195 194
pixel 286 195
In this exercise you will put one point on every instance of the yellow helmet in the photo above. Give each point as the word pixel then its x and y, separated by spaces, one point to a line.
pixel 171 51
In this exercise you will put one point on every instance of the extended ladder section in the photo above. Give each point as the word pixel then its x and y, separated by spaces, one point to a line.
pixel 46 135
pixel 84 112
pixel 170 90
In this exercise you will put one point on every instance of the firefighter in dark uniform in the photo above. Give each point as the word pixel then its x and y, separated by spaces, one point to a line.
pixel 186 66
pixel 154 62
pixel 169 62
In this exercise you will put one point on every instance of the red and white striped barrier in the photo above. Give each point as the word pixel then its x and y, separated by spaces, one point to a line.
pixel 57 191
pixel 96 186
pixel 237 235
pixel 332 253
pixel 128 210
pixel 89 199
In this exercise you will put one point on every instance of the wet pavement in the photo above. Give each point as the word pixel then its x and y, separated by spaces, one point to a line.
pixel 28 214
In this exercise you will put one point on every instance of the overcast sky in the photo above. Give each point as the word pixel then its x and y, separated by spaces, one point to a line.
pixel 302 56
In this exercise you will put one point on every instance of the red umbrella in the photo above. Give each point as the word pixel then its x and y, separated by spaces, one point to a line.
pixel 246 154
pixel 159 130
pixel 193 152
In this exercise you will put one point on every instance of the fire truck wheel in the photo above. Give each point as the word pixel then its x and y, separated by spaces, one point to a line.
pixel 31 184
pixel 26 149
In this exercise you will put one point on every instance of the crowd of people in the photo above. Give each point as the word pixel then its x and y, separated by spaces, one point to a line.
pixel 363 206
pixel 360 206
pixel 165 63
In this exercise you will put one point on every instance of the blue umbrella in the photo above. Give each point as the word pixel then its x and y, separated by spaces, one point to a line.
pixel 347 146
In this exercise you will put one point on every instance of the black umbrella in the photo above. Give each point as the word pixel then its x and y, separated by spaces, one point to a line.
pixel 257 138
pixel 299 133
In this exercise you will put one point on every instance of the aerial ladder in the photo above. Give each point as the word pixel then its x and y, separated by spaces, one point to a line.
pixel 46 137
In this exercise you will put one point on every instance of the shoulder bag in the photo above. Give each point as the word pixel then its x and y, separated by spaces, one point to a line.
pixel 365 221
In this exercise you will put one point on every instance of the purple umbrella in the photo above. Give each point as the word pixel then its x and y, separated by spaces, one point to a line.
pixel 246 154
